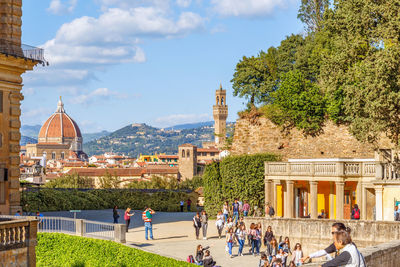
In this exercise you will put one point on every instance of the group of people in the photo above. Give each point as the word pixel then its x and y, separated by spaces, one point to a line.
pixel 147 217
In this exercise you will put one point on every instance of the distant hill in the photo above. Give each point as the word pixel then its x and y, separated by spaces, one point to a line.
pixel 27 140
pixel 190 125
pixel 32 132
pixel 136 139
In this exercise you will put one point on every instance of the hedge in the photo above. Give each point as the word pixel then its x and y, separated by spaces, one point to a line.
pixel 239 177
pixel 55 249
pixel 48 199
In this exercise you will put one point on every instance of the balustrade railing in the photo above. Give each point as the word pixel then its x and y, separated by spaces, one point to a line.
pixel 14 234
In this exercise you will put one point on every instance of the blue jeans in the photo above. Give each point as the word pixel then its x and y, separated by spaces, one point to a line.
pixel 226 218
pixel 230 244
pixel 148 227
pixel 235 216
pixel 115 219
pixel 241 245
pixel 254 246
pixel 245 213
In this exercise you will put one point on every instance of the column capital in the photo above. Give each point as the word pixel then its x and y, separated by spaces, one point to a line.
pixel 313 182
pixel 289 182
pixel 339 183
pixel 276 181
pixel 378 188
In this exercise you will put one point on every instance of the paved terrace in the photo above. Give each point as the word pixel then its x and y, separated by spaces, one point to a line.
pixel 174 236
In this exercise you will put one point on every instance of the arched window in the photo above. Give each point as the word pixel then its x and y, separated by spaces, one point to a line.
pixel 188 153
pixel 53 155
pixel 217 100
pixel 222 101
pixel 183 153
pixel 62 155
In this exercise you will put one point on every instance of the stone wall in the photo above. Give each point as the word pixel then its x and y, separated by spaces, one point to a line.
pixel 316 234
pixel 264 136
pixel 15 257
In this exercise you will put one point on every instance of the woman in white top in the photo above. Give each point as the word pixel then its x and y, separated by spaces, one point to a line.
pixel 220 223
pixel 225 211
pixel 241 237
pixel 229 224
pixel 297 255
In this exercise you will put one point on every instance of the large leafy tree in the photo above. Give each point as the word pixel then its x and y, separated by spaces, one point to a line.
pixel 361 72
pixel 311 13
pixel 254 77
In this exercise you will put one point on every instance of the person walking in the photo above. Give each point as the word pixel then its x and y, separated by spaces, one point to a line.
pixel 241 237
pixel 204 223
pixel 258 237
pixel 297 255
pixel 188 203
pixel 253 238
pixel 225 211
pixel 127 217
pixel 246 208
pixel 268 235
pixel 115 214
pixel 229 241
pixel 181 204
pixel 235 210
pixel 220 223
pixel 147 217
pixel 272 249
pixel 197 224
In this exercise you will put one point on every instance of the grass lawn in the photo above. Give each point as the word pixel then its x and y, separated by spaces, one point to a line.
pixel 55 249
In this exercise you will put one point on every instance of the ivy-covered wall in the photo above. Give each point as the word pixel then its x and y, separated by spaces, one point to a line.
pixel 239 177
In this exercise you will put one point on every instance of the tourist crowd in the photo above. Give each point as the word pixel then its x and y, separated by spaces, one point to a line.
pixel 273 253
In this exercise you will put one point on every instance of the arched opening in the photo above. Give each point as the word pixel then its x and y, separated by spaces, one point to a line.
pixel 217 100
pixel 188 153
pixel 222 101
pixel 183 153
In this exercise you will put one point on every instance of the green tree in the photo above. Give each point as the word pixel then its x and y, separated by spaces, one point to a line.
pixel 108 181
pixel 71 181
pixel 254 78
pixel 311 13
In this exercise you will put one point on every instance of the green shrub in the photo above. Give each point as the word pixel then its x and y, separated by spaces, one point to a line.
pixel 55 249
pixel 239 177
pixel 47 199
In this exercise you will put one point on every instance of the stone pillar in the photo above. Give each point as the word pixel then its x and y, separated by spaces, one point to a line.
pixel 331 200
pixel 339 200
pixel 314 199
pixel 120 233
pixel 79 227
pixel 378 202
pixel 289 200
pixel 268 194
pixel 32 242
pixel 275 183
pixel 364 202
pixel 359 190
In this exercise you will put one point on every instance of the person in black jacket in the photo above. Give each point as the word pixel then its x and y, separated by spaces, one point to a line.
pixel 200 254
pixel 208 260
pixel 115 214
pixel 197 224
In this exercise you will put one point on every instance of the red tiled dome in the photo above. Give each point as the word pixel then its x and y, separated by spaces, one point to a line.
pixel 60 125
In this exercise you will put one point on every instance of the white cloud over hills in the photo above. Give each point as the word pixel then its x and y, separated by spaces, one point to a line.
pixel 247 8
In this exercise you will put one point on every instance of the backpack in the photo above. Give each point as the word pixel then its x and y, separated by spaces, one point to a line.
pixel 148 214
pixel 190 259
pixel 271 211
pixel 357 214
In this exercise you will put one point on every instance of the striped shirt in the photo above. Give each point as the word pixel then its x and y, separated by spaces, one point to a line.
pixel 144 216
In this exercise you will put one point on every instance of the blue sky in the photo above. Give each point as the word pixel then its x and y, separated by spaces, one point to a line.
pixel 116 62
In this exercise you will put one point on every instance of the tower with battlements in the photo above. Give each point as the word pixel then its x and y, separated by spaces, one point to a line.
pixel 220 113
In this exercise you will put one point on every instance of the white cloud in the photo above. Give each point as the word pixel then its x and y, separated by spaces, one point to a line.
pixel 51 76
pixel 175 119
pixel 183 3
pixel 113 37
pixel 59 7
pixel 96 95
pixel 248 8
pixel 28 91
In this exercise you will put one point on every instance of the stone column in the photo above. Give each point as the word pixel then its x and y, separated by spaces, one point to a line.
pixel 364 202
pixel 274 204
pixel 79 227
pixel 289 200
pixel 339 200
pixel 32 242
pixel 120 233
pixel 268 194
pixel 314 199
pixel 378 202
pixel 359 195
pixel 331 200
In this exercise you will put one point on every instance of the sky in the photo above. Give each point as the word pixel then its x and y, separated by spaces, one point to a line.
pixel 159 62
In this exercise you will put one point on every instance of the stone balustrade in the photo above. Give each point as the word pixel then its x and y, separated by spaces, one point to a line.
pixel 18 239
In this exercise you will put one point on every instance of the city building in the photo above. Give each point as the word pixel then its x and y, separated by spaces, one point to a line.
pixel 15 59
pixel 220 114
pixel 59 138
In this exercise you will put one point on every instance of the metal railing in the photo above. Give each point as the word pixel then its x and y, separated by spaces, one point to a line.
pixel 98 229
pixel 78 227
pixel 34 53
pixel 22 50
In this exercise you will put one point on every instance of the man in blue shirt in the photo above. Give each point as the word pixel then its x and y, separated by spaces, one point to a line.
pixel 235 210
pixel 396 213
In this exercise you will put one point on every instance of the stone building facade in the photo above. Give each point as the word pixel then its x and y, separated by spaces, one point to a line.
pixel 187 161
pixel 13 63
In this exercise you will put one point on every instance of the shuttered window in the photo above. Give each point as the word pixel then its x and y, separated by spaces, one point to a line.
pixel 1 101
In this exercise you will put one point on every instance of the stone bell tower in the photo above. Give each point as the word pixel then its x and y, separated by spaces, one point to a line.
pixel 14 61
pixel 220 113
